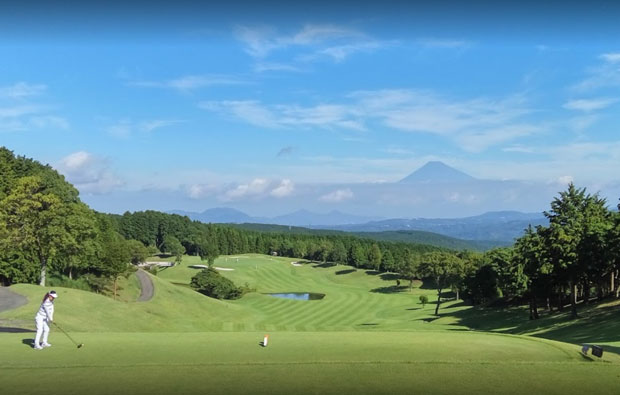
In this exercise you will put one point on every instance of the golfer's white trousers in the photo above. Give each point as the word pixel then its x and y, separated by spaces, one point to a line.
pixel 42 329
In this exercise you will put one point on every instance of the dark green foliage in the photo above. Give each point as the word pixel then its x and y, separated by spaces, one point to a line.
pixel 209 282
pixel 444 269
pixel 58 280
pixel 172 246
pixel 423 300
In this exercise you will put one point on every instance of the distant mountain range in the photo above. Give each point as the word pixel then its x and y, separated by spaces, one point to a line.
pixel 298 218
pixel 501 226
pixel 493 228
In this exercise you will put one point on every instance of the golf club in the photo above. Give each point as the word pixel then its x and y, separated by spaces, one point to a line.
pixel 79 345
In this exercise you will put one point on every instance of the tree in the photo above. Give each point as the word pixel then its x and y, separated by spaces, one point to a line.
pixel 339 253
pixel 531 256
pixel 443 268
pixel 173 246
pixel 42 225
pixel 565 236
pixel 115 259
pixel 374 257
pixel 423 300
pixel 209 282
pixel 137 251
pixel 208 248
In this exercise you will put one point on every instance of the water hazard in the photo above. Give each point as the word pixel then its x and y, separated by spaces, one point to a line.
pixel 298 295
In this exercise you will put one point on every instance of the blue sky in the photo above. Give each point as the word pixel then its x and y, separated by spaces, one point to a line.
pixel 276 108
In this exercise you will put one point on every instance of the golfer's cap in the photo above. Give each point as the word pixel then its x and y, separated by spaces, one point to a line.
pixel 53 294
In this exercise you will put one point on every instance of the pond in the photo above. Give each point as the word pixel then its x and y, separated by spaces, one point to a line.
pixel 298 295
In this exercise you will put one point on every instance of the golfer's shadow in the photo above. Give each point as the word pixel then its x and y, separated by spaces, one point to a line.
pixel 29 342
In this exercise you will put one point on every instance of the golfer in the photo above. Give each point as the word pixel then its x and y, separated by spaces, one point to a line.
pixel 44 317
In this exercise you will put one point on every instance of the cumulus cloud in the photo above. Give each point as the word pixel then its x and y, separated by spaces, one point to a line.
pixel 285 189
pixel 337 196
pixel 89 173
pixel 254 188
pixel 564 180
pixel 201 191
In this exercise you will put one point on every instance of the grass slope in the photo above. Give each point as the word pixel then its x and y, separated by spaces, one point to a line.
pixel 366 336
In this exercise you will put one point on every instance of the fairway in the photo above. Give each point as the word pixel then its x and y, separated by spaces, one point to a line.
pixel 365 336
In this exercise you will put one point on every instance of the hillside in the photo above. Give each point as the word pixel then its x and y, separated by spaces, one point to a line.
pixel 411 236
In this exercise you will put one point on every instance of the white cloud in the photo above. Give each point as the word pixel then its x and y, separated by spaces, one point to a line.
pixel 285 189
pixel 564 180
pixel 472 141
pixel 124 128
pixel 474 124
pixel 28 117
pixel 611 57
pixel 271 66
pixel 255 188
pixel 337 196
pixel 250 111
pixel 520 148
pixel 341 52
pixel 285 115
pixel 89 173
pixel 154 124
pixel 443 43
pixel 604 75
pixel 588 105
pixel 121 129
pixel 47 122
pixel 584 122
pixel 189 82
pixel 21 90
pixel 201 191
pixel 19 111
pixel 261 40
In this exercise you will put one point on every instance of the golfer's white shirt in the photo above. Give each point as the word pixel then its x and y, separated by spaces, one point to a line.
pixel 46 311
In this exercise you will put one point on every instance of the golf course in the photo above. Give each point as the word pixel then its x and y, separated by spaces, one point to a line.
pixel 366 335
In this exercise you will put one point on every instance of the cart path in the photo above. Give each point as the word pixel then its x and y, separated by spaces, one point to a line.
pixel 146 286
pixel 9 300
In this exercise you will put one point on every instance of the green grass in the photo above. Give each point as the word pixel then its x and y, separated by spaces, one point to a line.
pixel 365 336
pixel 304 362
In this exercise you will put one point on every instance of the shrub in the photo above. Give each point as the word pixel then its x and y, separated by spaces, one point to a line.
pixel 209 282
pixel 423 300
pixel 59 280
